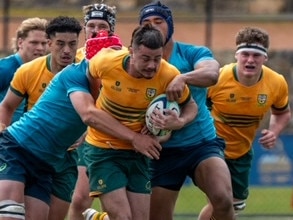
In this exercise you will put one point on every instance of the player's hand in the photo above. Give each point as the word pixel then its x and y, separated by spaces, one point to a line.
pixel 175 88
pixel 268 139
pixel 147 145
pixel 167 121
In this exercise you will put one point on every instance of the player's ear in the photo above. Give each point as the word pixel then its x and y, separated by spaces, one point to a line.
pixel 130 49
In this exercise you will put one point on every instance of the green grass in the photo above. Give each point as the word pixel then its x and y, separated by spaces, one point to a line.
pixel 262 201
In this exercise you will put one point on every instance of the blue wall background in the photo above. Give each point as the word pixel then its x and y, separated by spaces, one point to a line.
pixel 273 167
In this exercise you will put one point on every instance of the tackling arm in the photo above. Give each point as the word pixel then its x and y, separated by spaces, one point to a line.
pixel 98 119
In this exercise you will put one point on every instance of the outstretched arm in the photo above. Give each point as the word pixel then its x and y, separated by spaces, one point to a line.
pixel 98 119
pixel 205 74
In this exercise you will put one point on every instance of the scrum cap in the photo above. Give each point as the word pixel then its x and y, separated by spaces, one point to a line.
pixel 158 9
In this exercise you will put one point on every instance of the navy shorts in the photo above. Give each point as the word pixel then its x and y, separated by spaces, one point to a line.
pixel 176 163
pixel 17 164
pixel 63 182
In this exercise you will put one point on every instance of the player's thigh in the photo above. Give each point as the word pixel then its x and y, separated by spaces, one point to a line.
pixel 116 203
pixel 210 171
pixel 36 208
pixel 58 209
pixel 12 190
pixel 162 203
pixel 139 205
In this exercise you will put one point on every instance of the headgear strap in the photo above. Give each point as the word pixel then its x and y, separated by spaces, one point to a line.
pixel 252 47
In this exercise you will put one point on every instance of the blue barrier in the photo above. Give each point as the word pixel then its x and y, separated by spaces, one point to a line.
pixel 273 167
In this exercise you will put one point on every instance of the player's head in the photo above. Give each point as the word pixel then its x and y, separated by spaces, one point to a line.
pixel 63 24
pixel 30 40
pixel 146 51
pixel 251 53
pixel 154 13
pixel 63 33
pixel 103 39
pixel 252 39
pixel 98 17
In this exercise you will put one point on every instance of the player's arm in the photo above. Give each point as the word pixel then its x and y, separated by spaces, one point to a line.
pixel 94 84
pixel 205 74
pixel 278 121
pixel 98 119
pixel 8 106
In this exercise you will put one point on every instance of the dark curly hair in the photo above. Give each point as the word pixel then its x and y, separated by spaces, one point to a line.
pixel 63 24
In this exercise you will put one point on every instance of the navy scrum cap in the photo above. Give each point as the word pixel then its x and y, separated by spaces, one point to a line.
pixel 158 9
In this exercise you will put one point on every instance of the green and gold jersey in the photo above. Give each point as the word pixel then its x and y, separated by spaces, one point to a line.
pixel 238 109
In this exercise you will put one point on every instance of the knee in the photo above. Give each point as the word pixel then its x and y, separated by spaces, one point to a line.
pixel 12 209
pixel 223 203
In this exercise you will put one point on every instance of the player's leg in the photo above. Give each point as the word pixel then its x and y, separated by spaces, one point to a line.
pixel 162 203
pixel 11 200
pixel 167 180
pixel 108 179
pixel 240 172
pixel 214 170
pixel 80 199
pixel 58 208
pixel 206 212
pixel 63 184
pixel 36 208
pixel 15 169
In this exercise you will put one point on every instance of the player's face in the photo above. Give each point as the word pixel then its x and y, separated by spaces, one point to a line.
pixel 145 61
pixel 159 23
pixel 33 46
pixel 249 63
pixel 63 48
pixel 94 26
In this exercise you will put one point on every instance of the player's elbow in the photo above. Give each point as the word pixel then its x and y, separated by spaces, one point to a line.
pixel 90 117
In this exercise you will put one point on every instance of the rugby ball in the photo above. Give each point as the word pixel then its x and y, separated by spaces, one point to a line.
pixel 160 102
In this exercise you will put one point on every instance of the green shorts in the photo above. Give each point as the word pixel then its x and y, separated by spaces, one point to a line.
pixel 80 152
pixel 110 169
pixel 240 172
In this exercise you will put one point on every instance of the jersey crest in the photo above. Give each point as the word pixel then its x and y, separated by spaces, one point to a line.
pixel 262 99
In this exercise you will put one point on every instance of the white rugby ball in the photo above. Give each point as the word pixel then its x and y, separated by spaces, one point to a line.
pixel 160 102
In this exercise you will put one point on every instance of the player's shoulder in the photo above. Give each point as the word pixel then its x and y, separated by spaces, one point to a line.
pixel 272 77
pixel 35 63
pixel 8 64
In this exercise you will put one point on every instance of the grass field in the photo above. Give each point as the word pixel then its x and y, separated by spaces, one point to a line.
pixel 264 203
pixel 262 200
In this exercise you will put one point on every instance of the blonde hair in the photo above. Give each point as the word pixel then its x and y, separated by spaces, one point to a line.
pixel 25 27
